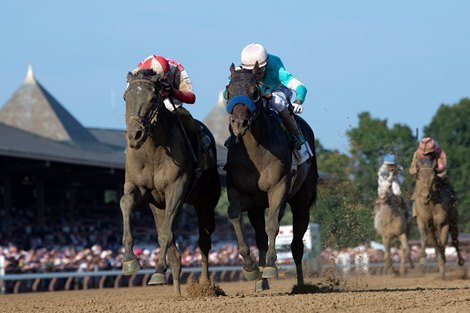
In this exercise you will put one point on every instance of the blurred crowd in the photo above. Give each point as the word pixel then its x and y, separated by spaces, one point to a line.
pixel 86 246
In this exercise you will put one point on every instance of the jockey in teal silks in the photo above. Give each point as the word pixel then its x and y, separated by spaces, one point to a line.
pixel 275 79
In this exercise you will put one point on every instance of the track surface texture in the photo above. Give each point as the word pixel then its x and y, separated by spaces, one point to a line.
pixel 331 293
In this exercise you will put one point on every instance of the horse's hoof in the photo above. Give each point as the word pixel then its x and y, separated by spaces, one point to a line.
pixel 252 275
pixel 461 262
pixel 157 279
pixel 130 267
pixel 270 272
pixel 261 284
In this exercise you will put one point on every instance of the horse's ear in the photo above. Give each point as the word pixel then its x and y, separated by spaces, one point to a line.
pixel 232 69
pixel 255 70
pixel 130 77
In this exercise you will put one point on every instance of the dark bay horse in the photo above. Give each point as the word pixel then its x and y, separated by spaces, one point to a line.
pixel 260 179
pixel 161 172
pixel 437 215
pixel 390 222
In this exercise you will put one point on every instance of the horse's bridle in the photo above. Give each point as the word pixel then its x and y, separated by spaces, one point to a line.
pixel 433 180
pixel 249 102
pixel 146 122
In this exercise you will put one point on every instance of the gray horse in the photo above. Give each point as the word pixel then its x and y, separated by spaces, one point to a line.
pixel 261 180
pixel 437 215
pixel 390 222
pixel 161 171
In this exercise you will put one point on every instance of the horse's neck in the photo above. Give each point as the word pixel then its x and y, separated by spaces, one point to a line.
pixel 265 131
pixel 166 130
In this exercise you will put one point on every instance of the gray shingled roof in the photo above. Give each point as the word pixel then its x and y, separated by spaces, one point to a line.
pixel 33 109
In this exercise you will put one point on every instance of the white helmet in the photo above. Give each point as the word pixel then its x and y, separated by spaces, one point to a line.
pixel 252 53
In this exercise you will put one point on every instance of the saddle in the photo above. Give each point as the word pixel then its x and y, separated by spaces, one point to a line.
pixel 200 142
pixel 298 156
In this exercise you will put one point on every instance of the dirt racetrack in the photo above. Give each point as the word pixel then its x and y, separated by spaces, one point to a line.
pixel 415 293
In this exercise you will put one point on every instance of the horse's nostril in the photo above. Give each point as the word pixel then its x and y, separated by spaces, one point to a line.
pixel 138 135
pixel 245 123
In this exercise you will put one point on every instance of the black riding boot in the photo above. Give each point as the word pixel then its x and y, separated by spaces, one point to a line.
pixel 291 125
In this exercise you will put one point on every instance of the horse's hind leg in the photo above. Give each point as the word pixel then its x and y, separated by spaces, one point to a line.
pixel 206 222
pixel 132 196
pixel 300 218
pixel 454 234
pixel 256 216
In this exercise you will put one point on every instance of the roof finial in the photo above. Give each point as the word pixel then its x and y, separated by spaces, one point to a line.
pixel 30 76
pixel 221 100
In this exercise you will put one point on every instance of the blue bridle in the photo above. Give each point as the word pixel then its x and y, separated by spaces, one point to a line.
pixel 243 100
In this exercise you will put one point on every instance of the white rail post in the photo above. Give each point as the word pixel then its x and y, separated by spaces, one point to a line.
pixel 2 274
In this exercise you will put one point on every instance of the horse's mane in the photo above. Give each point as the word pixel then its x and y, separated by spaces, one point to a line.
pixel 144 73
pixel 242 74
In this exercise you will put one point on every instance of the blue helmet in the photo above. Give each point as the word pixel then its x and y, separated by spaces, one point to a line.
pixel 390 159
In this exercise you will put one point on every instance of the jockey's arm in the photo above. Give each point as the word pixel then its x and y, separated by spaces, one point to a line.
pixel 184 89
pixel 288 80
pixel 441 162
pixel 414 165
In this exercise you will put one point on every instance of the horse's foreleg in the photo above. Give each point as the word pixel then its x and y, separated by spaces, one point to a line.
pixel 132 196
pixel 442 234
pixel 405 253
pixel 165 234
pixel 174 256
pixel 387 256
pixel 423 236
pixel 276 198
pixel 250 268
pixel 256 216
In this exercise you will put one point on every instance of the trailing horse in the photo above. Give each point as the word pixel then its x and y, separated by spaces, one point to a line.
pixel 261 178
pixel 437 215
pixel 162 171
pixel 390 221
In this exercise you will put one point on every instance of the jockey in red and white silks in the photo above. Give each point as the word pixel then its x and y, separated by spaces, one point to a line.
pixel 175 75
pixel 429 148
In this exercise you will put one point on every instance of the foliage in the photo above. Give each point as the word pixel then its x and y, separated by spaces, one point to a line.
pixel 369 142
pixel 450 126
pixel 343 220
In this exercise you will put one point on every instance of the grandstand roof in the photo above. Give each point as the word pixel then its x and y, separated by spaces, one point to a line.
pixel 35 125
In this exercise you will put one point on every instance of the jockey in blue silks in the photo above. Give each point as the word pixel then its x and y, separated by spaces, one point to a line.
pixel 275 79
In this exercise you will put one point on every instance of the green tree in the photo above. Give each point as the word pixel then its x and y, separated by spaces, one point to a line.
pixel 343 220
pixel 450 126
pixel 369 142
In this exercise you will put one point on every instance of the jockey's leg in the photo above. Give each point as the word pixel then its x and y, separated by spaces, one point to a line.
pixel 280 104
